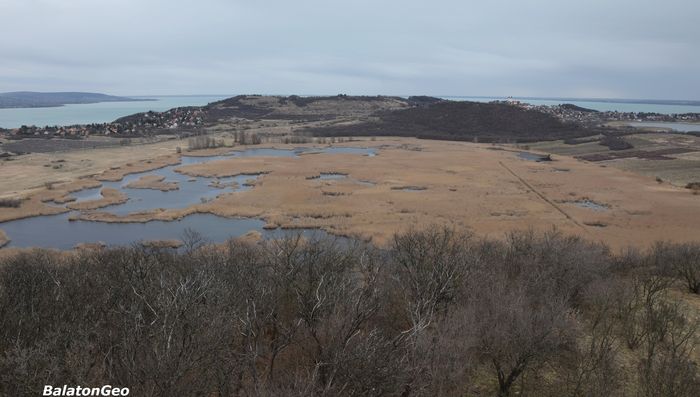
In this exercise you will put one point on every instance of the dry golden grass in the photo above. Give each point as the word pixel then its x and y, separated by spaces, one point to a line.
pixel 90 246
pixel 31 206
pixel 210 152
pixel 466 184
pixel 4 240
pixel 153 182
pixel 116 173
pixel 252 236
pixel 110 196
pixel 160 244
pixel 27 174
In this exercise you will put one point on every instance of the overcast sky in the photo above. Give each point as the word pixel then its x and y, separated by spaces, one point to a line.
pixel 590 48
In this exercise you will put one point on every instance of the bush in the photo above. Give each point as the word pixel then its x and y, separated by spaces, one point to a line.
pixel 204 142
pixel 10 202
pixel 615 143
pixel 681 261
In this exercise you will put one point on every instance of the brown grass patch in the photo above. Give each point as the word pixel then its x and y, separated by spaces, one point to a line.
pixel 4 240
pixel 162 244
pixel 118 173
pixel 155 182
pixel 110 196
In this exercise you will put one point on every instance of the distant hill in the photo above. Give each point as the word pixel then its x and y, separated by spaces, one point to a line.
pixel 343 115
pixel 28 99
pixel 571 106
pixel 294 107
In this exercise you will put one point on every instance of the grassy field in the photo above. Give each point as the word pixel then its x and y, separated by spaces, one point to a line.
pixel 487 188
pixel 678 169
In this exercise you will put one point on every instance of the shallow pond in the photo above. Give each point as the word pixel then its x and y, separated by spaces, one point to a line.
pixel 534 157
pixel 410 188
pixel 591 205
pixel 676 126
pixel 56 231
pixel 325 176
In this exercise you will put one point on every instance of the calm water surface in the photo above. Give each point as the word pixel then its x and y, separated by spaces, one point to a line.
pixel 56 231
pixel 681 127
pixel 103 112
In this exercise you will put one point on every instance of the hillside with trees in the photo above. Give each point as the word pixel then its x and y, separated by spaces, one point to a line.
pixel 451 120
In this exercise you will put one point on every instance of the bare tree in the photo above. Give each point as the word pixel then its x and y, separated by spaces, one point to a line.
pixel 590 368
pixel 681 259
pixel 192 240
pixel 666 367
pixel 514 330
pixel 429 266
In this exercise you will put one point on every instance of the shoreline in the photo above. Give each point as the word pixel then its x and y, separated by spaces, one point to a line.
pixel 60 105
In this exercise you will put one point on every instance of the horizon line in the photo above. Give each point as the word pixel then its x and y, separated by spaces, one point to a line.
pixel 675 101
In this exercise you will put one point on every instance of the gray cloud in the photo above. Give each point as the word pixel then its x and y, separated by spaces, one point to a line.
pixel 596 48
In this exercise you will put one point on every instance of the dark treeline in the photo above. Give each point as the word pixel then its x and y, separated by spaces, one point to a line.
pixel 461 121
pixel 438 313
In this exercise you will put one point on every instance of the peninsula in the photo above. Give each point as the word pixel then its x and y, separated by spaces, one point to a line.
pixel 29 99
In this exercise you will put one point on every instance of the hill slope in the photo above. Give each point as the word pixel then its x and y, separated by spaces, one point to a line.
pixel 486 122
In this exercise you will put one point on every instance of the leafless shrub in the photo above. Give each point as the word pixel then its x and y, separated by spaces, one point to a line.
pixel 331 305
pixel 514 330
pixel 552 260
pixel 297 139
pixel 429 267
pixel 204 142
pixel 10 202
pixel 522 300
pixel 679 260
pixel 192 240
pixel 591 367
pixel 635 305
pixel 666 367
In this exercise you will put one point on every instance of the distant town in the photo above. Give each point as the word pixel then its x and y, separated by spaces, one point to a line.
pixel 188 120
pixel 577 114
pixel 139 124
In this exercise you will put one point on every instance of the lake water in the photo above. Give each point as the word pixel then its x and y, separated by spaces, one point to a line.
pixel 682 127
pixel 591 205
pixel 534 157
pixel 56 231
pixel 103 112
pixel 600 105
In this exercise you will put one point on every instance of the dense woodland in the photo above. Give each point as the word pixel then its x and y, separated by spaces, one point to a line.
pixel 450 120
pixel 439 312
